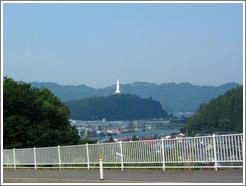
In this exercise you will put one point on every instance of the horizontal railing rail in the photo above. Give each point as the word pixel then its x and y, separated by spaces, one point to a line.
pixel 217 151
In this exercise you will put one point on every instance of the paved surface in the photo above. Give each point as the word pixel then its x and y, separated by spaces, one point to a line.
pixel 110 176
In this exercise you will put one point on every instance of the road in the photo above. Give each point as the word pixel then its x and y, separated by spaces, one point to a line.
pixel 117 176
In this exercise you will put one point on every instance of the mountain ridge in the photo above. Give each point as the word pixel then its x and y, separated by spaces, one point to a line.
pixel 174 97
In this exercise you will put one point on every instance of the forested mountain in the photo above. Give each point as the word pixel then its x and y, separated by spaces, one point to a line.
pixel 116 107
pixel 182 97
pixel 224 113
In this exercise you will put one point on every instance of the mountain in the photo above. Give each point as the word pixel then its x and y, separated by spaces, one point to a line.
pixel 66 93
pixel 224 113
pixel 182 97
pixel 116 107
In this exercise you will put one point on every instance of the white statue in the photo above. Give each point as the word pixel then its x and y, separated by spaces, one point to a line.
pixel 117 91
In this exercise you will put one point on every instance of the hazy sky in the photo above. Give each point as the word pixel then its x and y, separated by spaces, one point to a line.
pixel 95 44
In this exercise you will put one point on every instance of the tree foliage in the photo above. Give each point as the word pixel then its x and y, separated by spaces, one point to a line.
pixel 34 117
pixel 222 114
pixel 116 107
pixel 111 139
pixel 135 138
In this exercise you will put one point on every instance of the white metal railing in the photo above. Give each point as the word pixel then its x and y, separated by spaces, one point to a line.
pixel 223 151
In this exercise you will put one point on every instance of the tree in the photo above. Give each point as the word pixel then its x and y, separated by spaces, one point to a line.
pixel 111 139
pixel 34 117
pixel 134 138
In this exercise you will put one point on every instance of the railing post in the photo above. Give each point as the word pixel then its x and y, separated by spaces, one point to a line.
pixel 59 156
pixel 101 167
pixel 87 152
pixel 14 157
pixel 34 158
pixel 121 156
pixel 215 156
pixel 163 153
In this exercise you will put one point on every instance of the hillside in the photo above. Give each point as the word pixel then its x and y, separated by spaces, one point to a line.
pixel 182 97
pixel 116 107
pixel 224 113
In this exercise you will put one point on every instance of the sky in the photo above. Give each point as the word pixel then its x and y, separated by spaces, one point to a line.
pixel 97 43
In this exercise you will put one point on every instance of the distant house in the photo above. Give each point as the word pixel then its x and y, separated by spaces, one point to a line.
pixel 167 137
pixel 180 135
pixel 147 138
pixel 127 139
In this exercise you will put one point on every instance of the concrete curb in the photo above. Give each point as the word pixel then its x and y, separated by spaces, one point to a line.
pixel 46 180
